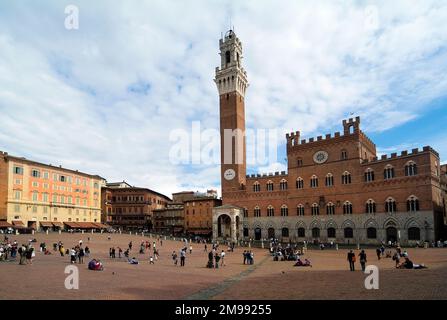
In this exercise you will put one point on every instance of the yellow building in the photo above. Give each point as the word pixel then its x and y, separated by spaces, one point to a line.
pixel 37 195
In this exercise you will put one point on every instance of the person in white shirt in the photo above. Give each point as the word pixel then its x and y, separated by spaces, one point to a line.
pixel 222 256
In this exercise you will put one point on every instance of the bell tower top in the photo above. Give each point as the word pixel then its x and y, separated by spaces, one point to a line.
pixel 231 76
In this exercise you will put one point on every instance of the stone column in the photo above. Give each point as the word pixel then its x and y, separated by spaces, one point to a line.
pixel 233 230
pixel 215 230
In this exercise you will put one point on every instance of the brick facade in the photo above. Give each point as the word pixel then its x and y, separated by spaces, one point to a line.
pixel 128 208
pixel 335 187
pixel 198 214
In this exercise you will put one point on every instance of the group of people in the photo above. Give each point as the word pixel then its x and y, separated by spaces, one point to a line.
pixel 287 253
pixel 381 252
pixel 9 250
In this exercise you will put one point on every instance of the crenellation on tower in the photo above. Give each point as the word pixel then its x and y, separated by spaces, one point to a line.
pixel 231 76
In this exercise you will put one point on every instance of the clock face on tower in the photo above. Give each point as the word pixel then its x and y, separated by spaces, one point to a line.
pixel 320 157
pixel 229 174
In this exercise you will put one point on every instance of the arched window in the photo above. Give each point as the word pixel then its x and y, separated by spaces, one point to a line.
pixel 283 184
pixel 269 185
pixel 314 181
pixel 315 232
pixel 256 186
pixel 410 169
pixel 370 206
pixel 257 212
pixel 349 233
pixel 301 232
pixel 330 208
pixel 331 232
pixel 227 57
pixel 245 212
pixel 414 233
pixel 412 204
pixel 346 178
pixel 284 211
pixel 344 155
pixel 369 175
pixel 371 233
pixel 390 205
pixel 300 210
pixel 299 162
pixel 270 211
pixel 329 180
pixel 347 208
pixel 388 172
pixel 315 209
pixel 285 232
pixel 299 183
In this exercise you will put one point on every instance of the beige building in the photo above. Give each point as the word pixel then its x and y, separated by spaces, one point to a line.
pixel 36 195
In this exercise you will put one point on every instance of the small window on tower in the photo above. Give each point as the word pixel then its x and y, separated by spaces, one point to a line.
pixel 227 57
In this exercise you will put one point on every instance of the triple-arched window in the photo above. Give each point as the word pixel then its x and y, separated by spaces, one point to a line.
pixel 270 211
pixel 315 209
pixel 299 183
pixel 370 206
pixel 347 207
pixel 269 185
pixel 283 184
pixel 412 204
pixel 410 169
pixel 388 172
pixel 314 181
pixel 330 209
pixel 346 178
pixel 256 186
pixel 284 211
pixel 390 205
pixel 329 180
pixel 369 175
pixel 257 212
pixel 300 210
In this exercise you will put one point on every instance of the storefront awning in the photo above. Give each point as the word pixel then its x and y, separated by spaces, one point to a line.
pixel 101 225
pixel 58 224
pixel 72 225
pixel 4 224
pixel 46 224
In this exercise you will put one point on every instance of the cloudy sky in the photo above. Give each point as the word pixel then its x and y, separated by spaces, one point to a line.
pixel 106 98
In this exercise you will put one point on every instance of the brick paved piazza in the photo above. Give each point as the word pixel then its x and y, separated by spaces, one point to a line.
pixel 329 278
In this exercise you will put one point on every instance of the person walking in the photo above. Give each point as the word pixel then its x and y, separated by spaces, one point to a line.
pixel 222 256
pixel 190 249
pixel 81 255
pixel 182 258
pixel 351 260
pixel 379 253
pixel 362 258
pixel 245 256
pixel 174 258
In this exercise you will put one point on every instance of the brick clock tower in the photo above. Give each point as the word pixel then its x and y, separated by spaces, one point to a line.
pixel 231 81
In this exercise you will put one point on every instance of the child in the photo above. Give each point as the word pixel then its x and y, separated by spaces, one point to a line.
pixel 151 260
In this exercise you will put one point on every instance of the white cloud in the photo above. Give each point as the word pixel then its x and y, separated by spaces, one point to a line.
pixel 65 98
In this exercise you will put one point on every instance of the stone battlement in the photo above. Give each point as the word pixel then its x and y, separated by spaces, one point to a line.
pixel 266 175
pixel 350 127
pixel 403 154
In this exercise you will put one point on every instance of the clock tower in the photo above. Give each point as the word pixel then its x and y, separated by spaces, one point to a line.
pixel 231 81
